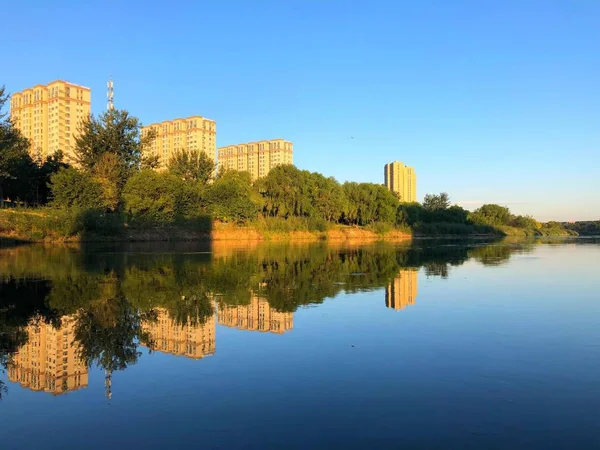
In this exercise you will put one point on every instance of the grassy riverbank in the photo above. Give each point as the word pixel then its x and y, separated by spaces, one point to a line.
pixel 74 225
pixel 56 225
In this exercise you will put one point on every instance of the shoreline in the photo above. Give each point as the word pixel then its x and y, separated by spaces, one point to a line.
pixel 219 234
pixel 249 234
pixel 25 228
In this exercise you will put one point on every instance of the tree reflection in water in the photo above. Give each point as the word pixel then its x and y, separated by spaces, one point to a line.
pixel 112 297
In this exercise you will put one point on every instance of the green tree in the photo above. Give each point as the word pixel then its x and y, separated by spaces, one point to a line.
pixel 21 185
pixel 3 100
pixel 43 173
pixel 434 202
pixel 368 203
pixel 525 222
pixel 192 166
pixel 408 214
pixel 14 156
pixel 492 214
pixel 387 205
pixel 149 161
pixel 108 172
pixel 327 197
pixel 231 197
pixel 286 192
pixel 74 189
pixel 152 197
pixel 114 132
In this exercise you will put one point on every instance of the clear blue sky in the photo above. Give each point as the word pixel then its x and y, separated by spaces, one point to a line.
pixel 491 101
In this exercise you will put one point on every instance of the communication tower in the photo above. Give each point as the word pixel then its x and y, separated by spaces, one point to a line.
pixel 110 95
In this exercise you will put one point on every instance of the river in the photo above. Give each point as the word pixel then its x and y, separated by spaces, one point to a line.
pixel 429 344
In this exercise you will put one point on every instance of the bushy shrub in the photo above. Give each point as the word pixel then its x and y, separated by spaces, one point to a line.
pixel 527 222
pixel 380 227
pixel 101 223
pixel 283 225
pixel 152 197
pixel 368 203
pixel 491 214
pixel 317 224
pixel 49 223
pixel 231 198
pixel 73 189
pixel 191 203
pixel 449 228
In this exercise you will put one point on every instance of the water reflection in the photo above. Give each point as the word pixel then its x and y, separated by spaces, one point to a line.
pixel 402 290
pixel 258 315
pixel 192 339
pixel 66 309
pixel 50 360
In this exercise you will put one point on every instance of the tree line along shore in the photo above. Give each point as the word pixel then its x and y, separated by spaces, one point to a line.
pixel 115 191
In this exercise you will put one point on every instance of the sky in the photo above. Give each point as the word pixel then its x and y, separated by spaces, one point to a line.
pixel 490 101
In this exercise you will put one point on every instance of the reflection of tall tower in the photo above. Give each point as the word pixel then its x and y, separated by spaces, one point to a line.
pixel 49 361
pixel 257 316
pixel 193 340
pixel 108 384
pixel 402 290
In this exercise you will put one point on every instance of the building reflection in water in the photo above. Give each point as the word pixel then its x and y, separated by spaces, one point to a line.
pixel 256 316
pixel 190 339
pixel 402 290
pixel 49 362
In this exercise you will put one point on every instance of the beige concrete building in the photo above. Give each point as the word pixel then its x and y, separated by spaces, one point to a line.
pixel 192 340
pixel 402 290
pixel 195 133
pixel 49 362
pixel 402 180
pixel 256 316
pixel 258 158
pixel 50 115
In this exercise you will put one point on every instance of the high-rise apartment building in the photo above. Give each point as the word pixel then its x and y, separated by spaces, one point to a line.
pixel 258 158
pixel 256 316
pixel 402 180
pixel 49 116
pixel 195 133
pixel 190 339
pixel 402 290
pixel 49 362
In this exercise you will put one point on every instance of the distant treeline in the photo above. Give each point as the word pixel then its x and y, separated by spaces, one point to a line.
pixel 116 186
pixel 584 228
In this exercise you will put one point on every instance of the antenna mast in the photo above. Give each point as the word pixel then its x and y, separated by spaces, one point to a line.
pixel 110 95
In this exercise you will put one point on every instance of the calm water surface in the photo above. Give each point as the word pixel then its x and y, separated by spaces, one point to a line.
pixel 422 345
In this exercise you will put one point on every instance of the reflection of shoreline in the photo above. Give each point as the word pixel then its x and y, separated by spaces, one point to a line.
pixel 402 290
pixel 192 340
pixel 258 315
pixel 265 248
pixel 49 361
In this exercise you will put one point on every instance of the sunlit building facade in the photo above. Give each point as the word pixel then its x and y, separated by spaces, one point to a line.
pixel 257 158
pixel 49 361
pixel 190 339
pixel 402 180
pixel 256 316
pixel 402 290
pixel 50 116
pixel 195 133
